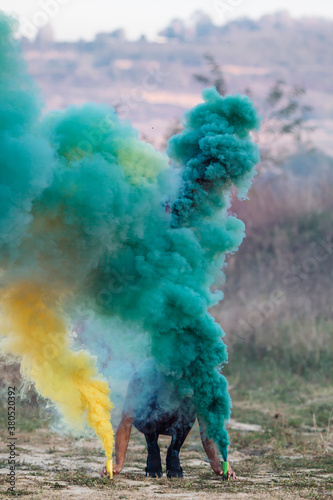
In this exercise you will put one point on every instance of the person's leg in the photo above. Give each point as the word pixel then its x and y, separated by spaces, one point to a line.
pixel 148 428
pixel 154 465
pixel 180 431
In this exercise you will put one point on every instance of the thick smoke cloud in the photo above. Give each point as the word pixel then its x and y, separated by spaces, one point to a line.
pixel 84 223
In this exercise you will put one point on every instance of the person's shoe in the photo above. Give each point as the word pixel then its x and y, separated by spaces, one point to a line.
pixel 154 465
pixel 173 464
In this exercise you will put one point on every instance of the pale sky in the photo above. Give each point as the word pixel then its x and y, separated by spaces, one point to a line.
pixel 75 19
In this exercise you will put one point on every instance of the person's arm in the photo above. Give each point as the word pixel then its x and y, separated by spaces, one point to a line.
pixel 211 452
pixel 122 439
pixel 125 426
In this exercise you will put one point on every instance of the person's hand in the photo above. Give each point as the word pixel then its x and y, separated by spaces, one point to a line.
pixel 232 475
pixel 116 470
pixel 217 468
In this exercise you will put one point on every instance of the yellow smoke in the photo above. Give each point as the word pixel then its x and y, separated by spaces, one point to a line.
pixel 37 336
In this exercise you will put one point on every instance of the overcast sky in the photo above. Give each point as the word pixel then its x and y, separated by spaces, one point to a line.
pixel 75 19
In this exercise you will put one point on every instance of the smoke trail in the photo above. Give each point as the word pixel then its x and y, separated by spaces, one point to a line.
pixel 175 264
pixel 32 328
pixel 36 334
pixel 216 152
pixel 81 212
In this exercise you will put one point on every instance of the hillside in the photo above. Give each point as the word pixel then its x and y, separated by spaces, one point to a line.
pixel 152 83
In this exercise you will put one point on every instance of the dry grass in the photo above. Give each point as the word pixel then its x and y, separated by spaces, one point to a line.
pixel 290 457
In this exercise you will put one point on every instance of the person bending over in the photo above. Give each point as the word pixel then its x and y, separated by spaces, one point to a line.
pixel 153 406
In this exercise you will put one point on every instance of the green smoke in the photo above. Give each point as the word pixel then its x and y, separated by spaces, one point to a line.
pixel 82 206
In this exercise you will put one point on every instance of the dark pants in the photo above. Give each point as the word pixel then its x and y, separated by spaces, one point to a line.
pixel 177 425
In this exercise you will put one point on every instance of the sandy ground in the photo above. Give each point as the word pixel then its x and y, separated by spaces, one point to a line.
pixel 51 466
